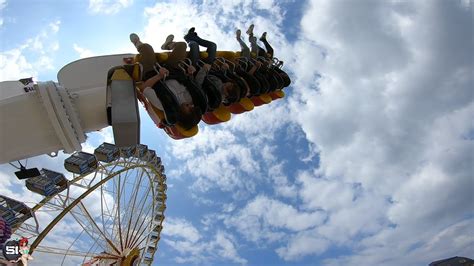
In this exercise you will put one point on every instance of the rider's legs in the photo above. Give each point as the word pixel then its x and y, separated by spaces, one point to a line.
pixel 244 49
pixel 147 54
pixel 255 48
pixel 192 37
pixel 178 54
pixel 268 47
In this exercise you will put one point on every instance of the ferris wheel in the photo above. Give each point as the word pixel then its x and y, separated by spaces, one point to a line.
pixel 110 212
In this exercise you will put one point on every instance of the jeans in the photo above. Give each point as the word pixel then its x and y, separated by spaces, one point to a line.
pixel 259 51
pixel 194 41
pixel 244 49
pixel 269 48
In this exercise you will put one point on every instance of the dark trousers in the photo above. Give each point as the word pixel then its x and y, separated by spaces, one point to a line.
pixel 194 41
pixel 268 47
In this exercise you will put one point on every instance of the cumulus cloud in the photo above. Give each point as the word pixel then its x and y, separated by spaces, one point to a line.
pixel 108 7
pixel 83 52
pixel 265 220
pixel 33 57
pixel 389 116
pixel 185 238
pixel 303 244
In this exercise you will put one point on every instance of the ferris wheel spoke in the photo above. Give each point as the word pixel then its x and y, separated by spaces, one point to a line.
pixel 130 209
pixel 71 245
pixel 119 193
pixel 133 211
pixel 69 252
pixel 102 204
pixel 89 230
pixel 137 232
pixel 95 245
pixel 94 225
pixel 138 214
pixel 91 250
pixel 140 233
pixel 87 225
pixel 111 216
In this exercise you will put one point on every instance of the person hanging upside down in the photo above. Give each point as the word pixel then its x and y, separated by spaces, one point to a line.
pixel 229 90
pixel 194 41
pixel 255 48
pixel 189 115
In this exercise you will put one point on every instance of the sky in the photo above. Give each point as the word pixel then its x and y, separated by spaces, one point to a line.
pixel 367 160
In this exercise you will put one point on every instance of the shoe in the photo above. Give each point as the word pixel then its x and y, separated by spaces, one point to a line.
pixel 263 37
pixel 237 34
pixel 191 32
pixel 168 41
pixel 250 30
pixel 135 39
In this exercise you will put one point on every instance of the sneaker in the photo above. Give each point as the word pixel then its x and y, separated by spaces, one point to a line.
pixel 250 30
pixel 237 34
pixel 263 37
pixel 135 39
pixel 191 32
pixel 168 41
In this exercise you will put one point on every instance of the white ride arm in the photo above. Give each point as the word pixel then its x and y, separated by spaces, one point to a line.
pixel 48 117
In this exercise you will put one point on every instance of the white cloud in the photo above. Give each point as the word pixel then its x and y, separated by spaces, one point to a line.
pixel 217 160
pixel 181 228
pixel 263 220
pixel 214 20
pixel 390 117
pixel 282 186
pixel 192 247
pixel 304 243
pixel 31 58
pixel 108 7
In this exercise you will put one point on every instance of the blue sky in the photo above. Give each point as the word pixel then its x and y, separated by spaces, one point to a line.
pixel 366 161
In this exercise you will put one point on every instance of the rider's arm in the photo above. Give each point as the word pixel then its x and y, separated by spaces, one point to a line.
pixel 254 68
pixel 202 74
pixel 153 80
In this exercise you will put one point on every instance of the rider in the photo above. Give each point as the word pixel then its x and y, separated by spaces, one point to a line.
pixel 189 115
pixel 229 90
pixel 256 49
